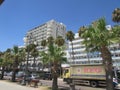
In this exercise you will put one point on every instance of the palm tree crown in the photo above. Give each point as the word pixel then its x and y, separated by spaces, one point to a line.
pixel 70 36
pixel 116 15
pixel 98 38
pixel 59 41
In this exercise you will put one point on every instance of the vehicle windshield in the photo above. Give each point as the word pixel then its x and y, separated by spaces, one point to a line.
pixel 66 71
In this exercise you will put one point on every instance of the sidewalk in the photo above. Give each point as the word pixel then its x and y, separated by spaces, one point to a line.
pixel 43 88
pixel 5 85
pixel 61 79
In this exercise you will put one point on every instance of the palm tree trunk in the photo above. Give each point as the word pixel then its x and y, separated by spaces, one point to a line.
pixel 13 75
pixel 3 68
pixel 15 64
pixel 43 67
pixel 55 76
pixel 107 61
pixel 54 84
pixel 72 52
pixel 34 64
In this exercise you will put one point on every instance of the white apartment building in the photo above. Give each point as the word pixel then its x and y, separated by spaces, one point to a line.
pixel 83 57
pixel 42 32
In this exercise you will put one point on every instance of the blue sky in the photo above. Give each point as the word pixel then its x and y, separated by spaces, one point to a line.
pixel 19 16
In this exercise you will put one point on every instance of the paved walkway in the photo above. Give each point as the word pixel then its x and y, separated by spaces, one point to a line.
pixel 7 85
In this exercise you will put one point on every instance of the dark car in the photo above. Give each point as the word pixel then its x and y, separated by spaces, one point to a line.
pixel 47 76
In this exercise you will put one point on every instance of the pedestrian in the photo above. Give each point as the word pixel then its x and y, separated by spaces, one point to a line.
pixel 115 83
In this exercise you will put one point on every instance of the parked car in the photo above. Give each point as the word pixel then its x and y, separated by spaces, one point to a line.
pixel 47 76
pixel 8 75
pixel 28 78
pixel 19 76
pixel 32 76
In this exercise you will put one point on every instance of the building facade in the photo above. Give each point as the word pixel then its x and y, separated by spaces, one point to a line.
pixel 42 32
pixel 81 56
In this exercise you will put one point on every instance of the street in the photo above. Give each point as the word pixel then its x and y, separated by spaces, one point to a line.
pixel 5 85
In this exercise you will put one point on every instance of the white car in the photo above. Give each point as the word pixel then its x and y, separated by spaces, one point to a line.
pixel 8 76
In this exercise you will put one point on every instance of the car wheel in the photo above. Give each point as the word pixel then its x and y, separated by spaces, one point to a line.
pixel 93 84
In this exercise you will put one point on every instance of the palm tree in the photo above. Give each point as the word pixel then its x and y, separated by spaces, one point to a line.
pixel 22 54
pixel 59 41
pixel 50 40
pixel 55 56
pixel 28 50
pixel 116 18
pixel 43 43
pixel 82 30
pixel 15 52
pixel 43 54
pixel 116 15
pixel 98 38
pixel 1 65
pixel 116 30
pixel 70 36
pixel 44 59
pixel 5 60
pixel 8 57
pixel 34 53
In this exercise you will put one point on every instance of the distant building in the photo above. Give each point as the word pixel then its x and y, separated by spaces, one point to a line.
pixel 81 56
pixel 42 32
pixel 85 57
